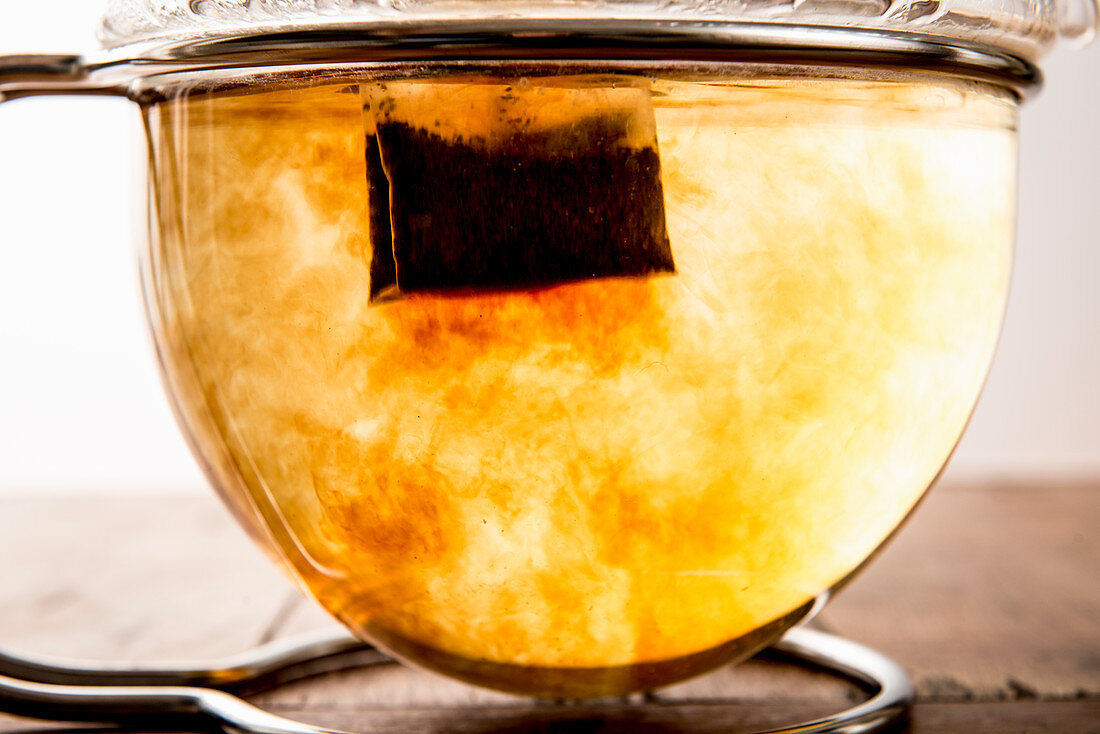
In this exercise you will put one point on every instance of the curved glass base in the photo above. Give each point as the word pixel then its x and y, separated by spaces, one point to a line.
pixel 583 683
pixel 181 698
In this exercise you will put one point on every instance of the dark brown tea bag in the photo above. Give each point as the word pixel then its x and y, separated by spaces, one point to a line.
pixel 484 186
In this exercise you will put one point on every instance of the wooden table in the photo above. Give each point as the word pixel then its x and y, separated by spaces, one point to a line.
pixel 990 598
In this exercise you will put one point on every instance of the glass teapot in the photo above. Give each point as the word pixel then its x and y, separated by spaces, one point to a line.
pixel 572 348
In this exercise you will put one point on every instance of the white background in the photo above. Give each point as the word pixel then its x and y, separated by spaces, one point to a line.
pixel 81 407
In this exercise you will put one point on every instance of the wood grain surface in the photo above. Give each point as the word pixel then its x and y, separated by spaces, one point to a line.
pixel 990 598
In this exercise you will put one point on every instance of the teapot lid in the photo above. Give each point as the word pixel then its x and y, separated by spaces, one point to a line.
pixel 1025 28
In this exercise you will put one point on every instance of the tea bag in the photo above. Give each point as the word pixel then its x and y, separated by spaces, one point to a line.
pixel 477 185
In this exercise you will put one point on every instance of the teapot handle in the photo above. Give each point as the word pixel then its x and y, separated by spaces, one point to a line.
pixel 24 75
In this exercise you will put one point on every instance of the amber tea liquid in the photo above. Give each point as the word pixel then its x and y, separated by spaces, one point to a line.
pixel 477 437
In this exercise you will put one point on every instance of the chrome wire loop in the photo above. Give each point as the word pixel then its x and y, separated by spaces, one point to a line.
pixel 199 696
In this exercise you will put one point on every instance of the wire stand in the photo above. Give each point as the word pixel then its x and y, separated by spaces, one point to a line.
pixel 190 698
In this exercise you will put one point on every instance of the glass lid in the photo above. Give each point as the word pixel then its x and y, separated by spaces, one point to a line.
pixel 1027 28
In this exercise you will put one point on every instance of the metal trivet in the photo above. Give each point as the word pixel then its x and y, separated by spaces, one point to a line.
pixel 195 698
